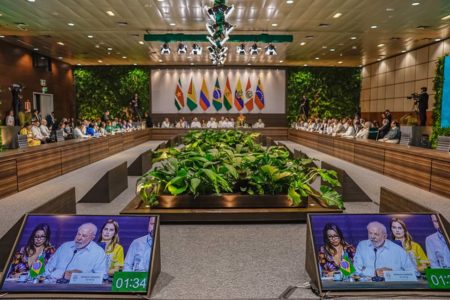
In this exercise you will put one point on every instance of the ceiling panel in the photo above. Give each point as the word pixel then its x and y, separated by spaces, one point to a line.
pixel 319 38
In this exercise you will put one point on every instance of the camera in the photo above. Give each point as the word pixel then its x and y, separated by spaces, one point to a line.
pixel 413 96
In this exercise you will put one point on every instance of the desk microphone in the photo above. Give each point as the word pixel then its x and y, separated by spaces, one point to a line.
pixel 63 280
pixel 376 277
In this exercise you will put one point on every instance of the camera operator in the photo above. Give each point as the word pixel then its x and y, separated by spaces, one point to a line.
pixel 422 102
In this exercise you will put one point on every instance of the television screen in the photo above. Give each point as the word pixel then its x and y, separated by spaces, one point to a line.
pixel 380 251
pixel 81 254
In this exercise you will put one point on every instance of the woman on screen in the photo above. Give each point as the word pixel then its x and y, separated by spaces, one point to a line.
pixel 401 234
pixel 109 240
pixel 38 248
pixel 335 248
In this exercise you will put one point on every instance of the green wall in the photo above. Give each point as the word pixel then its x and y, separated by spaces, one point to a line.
pixel 438 88
pixel 101 88
pixel 333 92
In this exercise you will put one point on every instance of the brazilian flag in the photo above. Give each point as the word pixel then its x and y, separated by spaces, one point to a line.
pixel 346 266
pixel 38 267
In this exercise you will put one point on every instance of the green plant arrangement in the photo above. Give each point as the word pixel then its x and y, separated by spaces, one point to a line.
pixel 230 161
pixel 1 141
pixel 101 88
pixel 333 92
pixel 436 116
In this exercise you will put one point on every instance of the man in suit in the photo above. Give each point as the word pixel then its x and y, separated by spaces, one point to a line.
pixel 422 102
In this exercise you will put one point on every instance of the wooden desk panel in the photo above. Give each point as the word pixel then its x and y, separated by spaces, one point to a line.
pixel 98 149
pixel 8 177
pixel 326 144
pixel 38 167
pixel 115 143
pixel 74 157
pixel 344 149
pixel 128 141
pixel 369 157
pixel 409 168
pixel 440 177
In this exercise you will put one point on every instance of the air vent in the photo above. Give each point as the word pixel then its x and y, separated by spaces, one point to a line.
pixel 309 37
pixel 324 25
pixel 122 23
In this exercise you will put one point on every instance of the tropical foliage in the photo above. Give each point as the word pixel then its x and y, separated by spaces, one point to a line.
pixel 438 88
pixel 333 92
pixel 101 88
pixel 230 161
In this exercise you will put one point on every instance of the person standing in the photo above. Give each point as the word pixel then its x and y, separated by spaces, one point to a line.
pixel 436 246
pixel 422 102
pixel 134 105
pixel 304 106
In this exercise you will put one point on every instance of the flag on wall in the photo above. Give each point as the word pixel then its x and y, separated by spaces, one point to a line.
pixel 259 96
pixel 238 100
pixel 249 96
pixel 191 98
pixel 204 96
pixel 179 97
pixel 227 96
pixel 217 96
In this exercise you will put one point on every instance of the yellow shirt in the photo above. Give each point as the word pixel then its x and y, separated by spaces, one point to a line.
pixel 116 256
pixel 419 254
pixel 31 142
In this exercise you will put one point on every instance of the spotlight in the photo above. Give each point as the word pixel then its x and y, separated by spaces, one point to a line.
pixel 241 49
pixel 270 50
pixel 254 49
pixel 165 50
pixel 182 49
pixel 196 50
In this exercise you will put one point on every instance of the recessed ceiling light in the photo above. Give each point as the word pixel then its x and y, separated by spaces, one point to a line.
pixel 281 61
pixel 415 3
pixel 324 47
pixel 110 13
pixel 353 38
pixel 189 57
pixel 60 57
pixel 337 15
pixel 249 64
pixel 172 24
pixel 332 49
pixel 354 47
pixel 302 44
pixel 160 60
pixel 109 49
pixel 340 62
pixel 78 64
pixel 160 0
pixel 380 45
pixel 389 9
pixel 274 24
pixel 124 57
pixel 36 49
pixel 60 43
pixel 71 24
pixel 90 36
pixel 2 36
pixel 374 26
pixel 290 1
pixel 437 40
pixel 100 61
pixel 141 42
pixel 134 64
pixel 317 58
pixel 31 0
pixel 403 51
pixel 444 18
pixel 97 46
pixel 305 65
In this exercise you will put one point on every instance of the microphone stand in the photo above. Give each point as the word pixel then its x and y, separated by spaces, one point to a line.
pixel 62 279
pixel 376 277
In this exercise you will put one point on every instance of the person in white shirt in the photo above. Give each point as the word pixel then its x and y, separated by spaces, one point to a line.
pixel 78 131
pixel 195 123
pixel 36 131
pixel 212 123
pixel 258 124
pixel 166 123
pixel 222 122
pixel 179 124
pixel 10 118
pixel 364 132
pixel 231 123
pixel 139 254
pixel 44 129
pixel 350 132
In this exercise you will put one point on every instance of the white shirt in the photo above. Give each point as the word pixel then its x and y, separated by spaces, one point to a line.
pixel 437 251
pixel 258 125
pixel 10 121
pixel 165 124
pixel 139 255
pixel 77 133
pixel 45 131
pixel 90 259
pixel 211 124
pixel 37 133
pixel 196 124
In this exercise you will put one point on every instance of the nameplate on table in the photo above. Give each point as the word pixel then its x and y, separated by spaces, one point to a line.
pixel 86 278
pixel 390 276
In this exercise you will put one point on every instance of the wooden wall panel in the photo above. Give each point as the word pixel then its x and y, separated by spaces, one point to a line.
pixel 369 157
pixel 115 144
pixel 407 167
pixel 128 141
pixel 391 202
pixel 344 149
pixel 74 157
pixel 440 177
pixel 8 177
pixel 326 144
pixel 38 167
pixel 98 149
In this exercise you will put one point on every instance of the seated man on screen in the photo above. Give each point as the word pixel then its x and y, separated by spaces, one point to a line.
pixel 139 254
pixel 258 124
pixel 81 255
pixel 378 254
pixel 437 248
pixel 196 123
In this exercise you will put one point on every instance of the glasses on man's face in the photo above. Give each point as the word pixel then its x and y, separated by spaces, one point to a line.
pixel 333 237
pixel 39 237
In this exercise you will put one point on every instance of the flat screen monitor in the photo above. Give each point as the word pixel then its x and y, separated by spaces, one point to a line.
pixel 380 251
pixel 82 254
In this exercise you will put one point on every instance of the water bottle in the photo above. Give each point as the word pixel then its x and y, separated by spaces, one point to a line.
pixel 137 263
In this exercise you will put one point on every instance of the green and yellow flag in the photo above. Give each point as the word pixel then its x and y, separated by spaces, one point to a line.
pixel 227 96
pixel 38 267
pixel 191 97
pixel 346 266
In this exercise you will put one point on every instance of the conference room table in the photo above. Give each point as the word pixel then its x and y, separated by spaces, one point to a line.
pixel 428 169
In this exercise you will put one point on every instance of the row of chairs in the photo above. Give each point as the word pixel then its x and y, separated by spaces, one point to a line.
pixel 57 136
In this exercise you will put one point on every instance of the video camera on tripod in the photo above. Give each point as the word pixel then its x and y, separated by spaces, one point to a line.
pixel 414 96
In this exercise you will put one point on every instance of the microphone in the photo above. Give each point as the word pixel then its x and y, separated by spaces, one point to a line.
pixel 376 277
pixel 62 279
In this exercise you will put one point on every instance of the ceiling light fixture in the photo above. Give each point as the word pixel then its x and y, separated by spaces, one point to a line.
pixel 289 1
pixel 302 44
pixel 380 45
pixel 353 38
pixel 374 26
pixel 124 57
pixel 165 50
pixel 60 43
pixel 274 24
pixel 172 24
pixel 90 36
pixel 36 49
pixel 337 15
pixel 110 13
pixel 100 61
pixel 141 42
pixel 270 50
pixel 2 36
pixel 443 19
pixel 415 3
pixel 71 24
pixel 31 0
pixel 437 40
pixel 109 49
pixel 340 62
